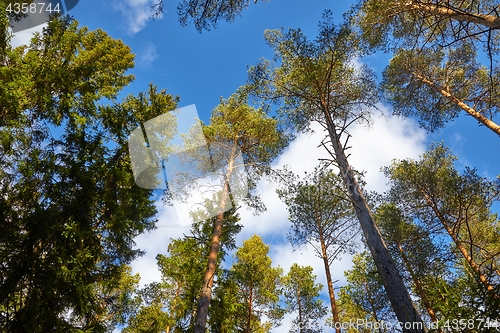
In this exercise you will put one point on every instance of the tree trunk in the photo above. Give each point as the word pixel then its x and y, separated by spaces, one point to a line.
pixel 460 247
pixel 300 309
pixel 489 21
pixel 394 286
pixel 331 291
pixel 248 327
pixel 172 307
pixel 372 305
pixel 418 285
pixel 470 111
pixel 200 323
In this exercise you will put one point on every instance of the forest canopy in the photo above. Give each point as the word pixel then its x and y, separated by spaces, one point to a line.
pixel 421 254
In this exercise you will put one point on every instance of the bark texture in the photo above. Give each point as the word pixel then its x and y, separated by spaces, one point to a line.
pixel 393 283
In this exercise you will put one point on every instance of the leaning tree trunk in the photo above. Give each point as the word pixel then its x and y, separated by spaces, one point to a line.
pixel 465 253
pixel 394 286
pixel 418 285
pixel 200 322
pixel 329 282
pixel 447 11
pixel 461 104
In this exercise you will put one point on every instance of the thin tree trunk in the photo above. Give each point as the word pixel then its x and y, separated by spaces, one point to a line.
pixel 331 291
pixel 469 110
pixel 174 302
pixel 300 309
pixel 460 247
pixel 248 328
pixel 418 285
pixel 489 21
pixel 393 283
pixel 372 304
pixel 200 323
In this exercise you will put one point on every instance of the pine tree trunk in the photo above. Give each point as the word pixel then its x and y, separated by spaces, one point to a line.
pixel 200 323
pixel 394 286
pixel 299 303
pixel 461 247
pixel 469 110
pixel 447 11
pixel 331 291
pixel 419 287
pixel 248 327
pixel 372 305
pixel 172 307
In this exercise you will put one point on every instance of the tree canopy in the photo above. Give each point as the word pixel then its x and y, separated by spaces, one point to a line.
pixel 69 205
pixel 424 255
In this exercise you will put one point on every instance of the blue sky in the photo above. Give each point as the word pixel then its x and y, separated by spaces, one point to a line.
pixel 201 68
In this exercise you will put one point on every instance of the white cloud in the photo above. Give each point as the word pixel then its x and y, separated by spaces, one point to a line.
pixel 389 138
pixel 136 13
pixel 24 37
pixel 155 242
pixel 147 55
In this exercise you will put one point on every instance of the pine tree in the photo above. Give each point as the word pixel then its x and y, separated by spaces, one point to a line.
pixel 317 81
pixel 323 217
pixel 302 297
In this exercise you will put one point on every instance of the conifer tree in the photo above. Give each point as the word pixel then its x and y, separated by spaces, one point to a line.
pixel 322 216
pixel 302 297
pixel 316 81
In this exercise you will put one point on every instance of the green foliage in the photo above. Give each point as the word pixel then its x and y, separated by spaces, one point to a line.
pixel 237 128
pixel 252 291
pixel 437 70
pixel 69 205
pixel 312 78
pixel 410 242
pixel 453 208
pixel 302 297
pixel 170 305
pixel 62 74
pixel 207 13
pixel 421 261
pixel 258 136
pixel 320 213
pixel 5 23
pixel 364 296
pixel 412 24
pixel 437 85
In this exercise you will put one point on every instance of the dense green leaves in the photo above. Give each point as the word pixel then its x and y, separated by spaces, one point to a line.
pixel 62 74
pixel 257 291
pixel 438 69
pixel 70 207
